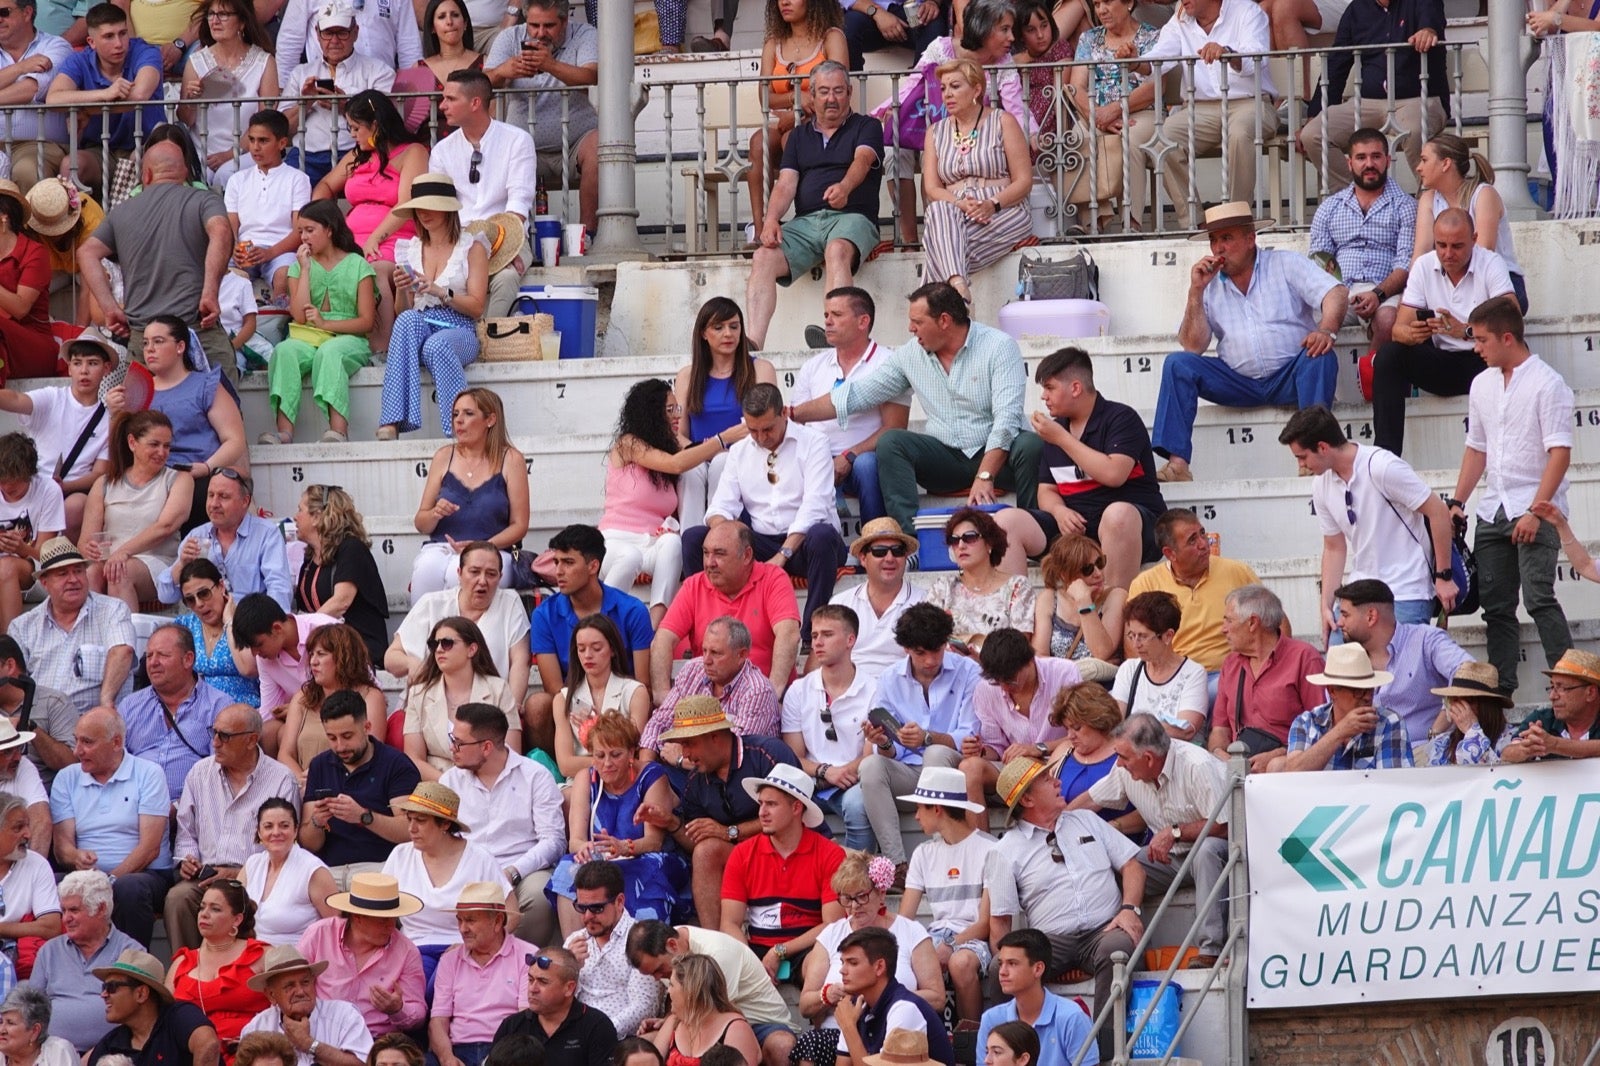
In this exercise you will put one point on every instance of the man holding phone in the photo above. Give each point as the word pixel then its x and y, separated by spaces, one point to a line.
pixel 1432 348
pixel 325 82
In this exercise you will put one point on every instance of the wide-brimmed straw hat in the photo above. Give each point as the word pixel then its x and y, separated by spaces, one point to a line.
pixel 1226 216
pixel 696 716
pixel 58 551
pixel 1349 667
pixel 141 966
pixel 902 1047
pixel 56 207
pixel 791 781
pixel 376 896
pixel 430 797
pixel 881 529
pixel 1583 665
pixel 942 786
pixel 480 896
pixel 1475 681
pixel 1015 777
pixel 280 960
pixel 12 191
pixel 506 236
pixel 430 192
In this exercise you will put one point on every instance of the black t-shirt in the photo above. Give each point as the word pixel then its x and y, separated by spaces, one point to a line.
pixel 168 1044
pixel 585 1038
pixel 368 613
pixel 1114 429
pixel 821 165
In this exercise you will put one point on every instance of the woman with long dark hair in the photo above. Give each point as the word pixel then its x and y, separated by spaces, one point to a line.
pixel 643 469
pixel 207 426
pixel 458 670
pixel 711 388
pixel 27 348
pixel 599 680
pixel 209 619
pixel 447 46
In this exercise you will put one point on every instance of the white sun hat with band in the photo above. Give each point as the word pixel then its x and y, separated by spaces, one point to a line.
pixel 942 786
pixel 792 781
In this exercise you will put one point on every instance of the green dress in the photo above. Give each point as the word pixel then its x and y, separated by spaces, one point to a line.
pixel 331 362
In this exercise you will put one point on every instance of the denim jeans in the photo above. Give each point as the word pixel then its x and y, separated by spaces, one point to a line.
pixel 1504 570
pixel 1187 378
pixel 862 483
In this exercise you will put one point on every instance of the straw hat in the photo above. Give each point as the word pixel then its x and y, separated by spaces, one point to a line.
pixel 9 737
pixel 58 551
pixel 1228 215
pixel 142 967
pixel 114 352
pixel 480 896
pixel 1349 667
pixel 430 797
pixel 376 896
pixel 902 1047
pixel 1583 665
pixel 1015 777
pixel 695 717
pixel 791 781
pixel 280 960
pixel 505 234
pixel 430 192
pixel 11 190
pixel 882 529
pixel 56 207
pixel 942 786
pixel 1475 681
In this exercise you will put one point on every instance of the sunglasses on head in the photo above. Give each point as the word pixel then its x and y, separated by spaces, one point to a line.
pixel 971 536
pixel 882 551
pixel 593 908
pixel 542 961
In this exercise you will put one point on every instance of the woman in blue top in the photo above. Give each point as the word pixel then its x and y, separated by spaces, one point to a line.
pixel 1089 714
pixel 711 388
pixel 217 660
pixel 207 428
pixel 601 825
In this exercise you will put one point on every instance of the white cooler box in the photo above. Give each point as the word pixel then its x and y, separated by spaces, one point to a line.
pixel 1056 318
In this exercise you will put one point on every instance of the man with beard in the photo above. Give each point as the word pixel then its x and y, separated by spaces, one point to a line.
pixel 324 1032
pixel 606 981
pixel 149 1028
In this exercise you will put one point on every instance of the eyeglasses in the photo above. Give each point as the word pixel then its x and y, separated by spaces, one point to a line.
pixel 1349 507
pixel 541 961
pixel 1089 568
pixel 593 908
pixel 883 551
pixel 971 536
pixel 224 736
pixel 772 468
pixel 445 643
pixel 860 899
pixel 1055 849
pixel 199 596
pixel 457 742
pixel 219 16
pixel 109 987
pixel 1552 688
pixel 473 165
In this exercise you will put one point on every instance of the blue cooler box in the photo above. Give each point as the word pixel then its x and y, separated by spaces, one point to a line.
pixel 574 307
pixel 932 552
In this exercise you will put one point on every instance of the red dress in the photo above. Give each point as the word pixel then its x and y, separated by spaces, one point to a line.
pixel 27 348
pixel 225 1000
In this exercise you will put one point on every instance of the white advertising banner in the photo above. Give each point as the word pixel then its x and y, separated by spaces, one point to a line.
pixel 1423 884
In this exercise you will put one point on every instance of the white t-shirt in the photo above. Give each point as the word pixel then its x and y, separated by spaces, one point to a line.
pixel 804 705
pixel 504 625
pixel 1427 286
pixel 40 510
pixel 266 200
pixel 907 935
pixel 820 375
pixel 950 878
pixel 56 423
pixel 1184 691
pixel 875 649
pixel 238 299
pixel 435 923
pixel 27 784
pixel 1385 542
pixel 30 887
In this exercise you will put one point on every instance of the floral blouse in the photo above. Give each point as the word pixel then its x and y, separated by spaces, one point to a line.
pixel 1008 607
pixel 1105 81
pixel 1473 749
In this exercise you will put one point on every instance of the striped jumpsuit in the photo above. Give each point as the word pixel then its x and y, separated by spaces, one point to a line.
pixel 955 245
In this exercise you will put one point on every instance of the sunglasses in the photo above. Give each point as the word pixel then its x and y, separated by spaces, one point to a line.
pixel 832 733
pixel 1055 849
pixel 544 962
pixel 473 165
pixel 593 908
pixel 227 471
pixel 7 12
pixel 772 468
pixel 224 736
pixel 446 643
pixel 971 536
pixel 191 599
pixel 883 551
pixel 1089 568
pixel 1349 507
pixel 110 987
pixel 219 16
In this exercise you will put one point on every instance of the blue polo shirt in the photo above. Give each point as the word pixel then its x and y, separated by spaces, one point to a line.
pixel 107 815
pixel 550 629
pixel 77 1013
pixel 1062 1029
pixel 83 68
pixel 726 802
pixel 174 750
pixel 388 774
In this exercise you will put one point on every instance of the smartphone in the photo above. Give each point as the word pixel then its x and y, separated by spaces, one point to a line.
pixel 327 85
pixel 323 794
pixel 207 872
pixel 528 46
pixel 960 646
pixel 1425 313
pixel 785 968
pixel 885 720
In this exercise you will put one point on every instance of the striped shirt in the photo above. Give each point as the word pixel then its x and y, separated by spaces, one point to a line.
pixel 1370 244
pixel 217 825
pixel 1188 789
pixel 1261 329
pixel 950 876
pixel 72 661
pixel 975 407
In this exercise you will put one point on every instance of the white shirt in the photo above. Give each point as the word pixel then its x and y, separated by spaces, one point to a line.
pixel 518 820
pixel 388 34
pixel 950 878
pixel 1515 424
pixel 875 649
pixel 40 510
pixel 26 783
pixel 908 935
pixel 1184 691
pixel 1242 27
pixel 504 625
pixel 1388 540
pixel 751 990
pixel 1429 287
pixel 30 886
pixel 266 201
pixel 1079 893
pixel 801 494
pixel 820 375
pixel 611 986
pixel 436 922
pixel 22 125
pixel 324 126
pixel 803 707
pixel 333 1022
pixel 237 298
pixel 56 423
pixel 506 176
pixel 1188 789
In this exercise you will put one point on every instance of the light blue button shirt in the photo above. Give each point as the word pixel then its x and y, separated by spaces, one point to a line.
pixel 257 562
pixel 106 816
pixel 945 708
pixel 1260 330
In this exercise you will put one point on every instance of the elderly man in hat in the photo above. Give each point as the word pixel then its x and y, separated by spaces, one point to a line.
pixel 573 1033
pixel 884 550
pixel 1275 315
pixel 777 889
pixel 148 1026
pixel 1570 727
pixel 715 812
pixel 324 1032
pixel 81 641
pixel 1347 732
pixel 1062 870
pixel 480 981
pixel 326 137
pixel 370 963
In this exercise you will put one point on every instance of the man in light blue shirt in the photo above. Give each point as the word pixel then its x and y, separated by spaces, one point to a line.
pixel 1275 315
pixel 33 136
pixel 971 381
pixel 930 691
pixel 110 813
pixel 170 722
pixel 1021 964
pixel 249 551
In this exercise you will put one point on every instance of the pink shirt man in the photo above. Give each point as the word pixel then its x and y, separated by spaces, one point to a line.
pixel 397 965
pixel 281 677
pixel 477 998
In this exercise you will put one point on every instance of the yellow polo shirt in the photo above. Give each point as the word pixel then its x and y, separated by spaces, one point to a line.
pixel 1200 633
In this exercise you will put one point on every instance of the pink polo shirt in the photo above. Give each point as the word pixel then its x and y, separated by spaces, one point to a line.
pixel 765 600
pixel 477 998
pixel 398 963
pixel 282 676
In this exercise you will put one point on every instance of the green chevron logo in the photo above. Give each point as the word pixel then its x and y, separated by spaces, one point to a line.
pixel 1309 849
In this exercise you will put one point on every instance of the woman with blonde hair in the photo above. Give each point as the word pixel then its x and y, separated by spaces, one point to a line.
pixel 339 576
pixel 701 1015
pixel 1453 175
pixel 1077 615
pixel 336 660
pixel 477 490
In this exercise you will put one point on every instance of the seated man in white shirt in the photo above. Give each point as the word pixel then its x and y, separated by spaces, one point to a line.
pixel 779 481
pixel 882 598
pixel 349 72
pixel 389 33
pixel 824 712
pixel 325 1032
pixel 847 317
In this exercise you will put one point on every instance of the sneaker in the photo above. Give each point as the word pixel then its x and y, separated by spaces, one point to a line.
pixel 1202 962
pixel 269 437
pixel 333 436
pixel 816 337
pixel 388 433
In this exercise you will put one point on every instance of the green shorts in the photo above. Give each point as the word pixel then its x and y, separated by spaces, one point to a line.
pixel 805 237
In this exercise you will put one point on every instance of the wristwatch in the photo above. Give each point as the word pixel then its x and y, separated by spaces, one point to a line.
pixel 1177 833
pixel 1444 575
pixel 733 834
pixel 786 552
pixel 1043 750
pixel 366 817
pixel 312 1050
pixel 984 475
pixel 1138 912
pixel 782 951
